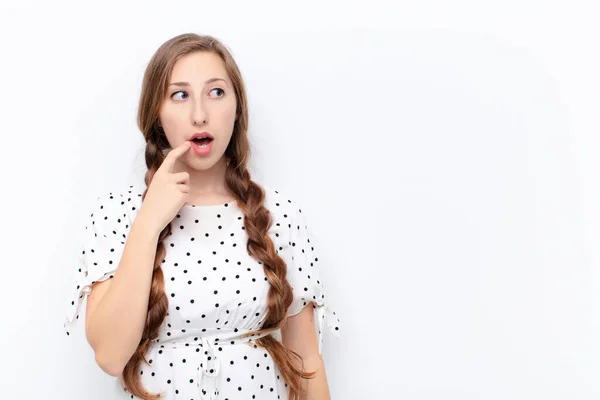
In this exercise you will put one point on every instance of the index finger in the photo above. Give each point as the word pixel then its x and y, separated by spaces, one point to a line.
pixel 174 154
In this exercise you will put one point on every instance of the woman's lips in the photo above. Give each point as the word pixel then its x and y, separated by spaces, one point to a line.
pixel 202 151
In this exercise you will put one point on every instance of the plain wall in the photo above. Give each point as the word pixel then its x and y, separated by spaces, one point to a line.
pixel 445 154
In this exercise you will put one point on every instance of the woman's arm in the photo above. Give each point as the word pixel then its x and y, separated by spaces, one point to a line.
pixel 298 334
pixel 116 308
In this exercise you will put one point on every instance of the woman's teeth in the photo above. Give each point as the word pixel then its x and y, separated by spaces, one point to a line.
pixel 202 143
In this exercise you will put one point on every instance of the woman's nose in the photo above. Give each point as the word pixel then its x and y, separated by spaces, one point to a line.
pixel 198 113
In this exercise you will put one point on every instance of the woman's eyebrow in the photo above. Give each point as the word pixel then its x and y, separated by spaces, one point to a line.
pixel 206 83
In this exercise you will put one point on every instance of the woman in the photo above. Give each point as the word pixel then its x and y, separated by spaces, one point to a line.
pixel 201 284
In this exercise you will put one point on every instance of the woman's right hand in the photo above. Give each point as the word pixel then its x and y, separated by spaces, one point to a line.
pixel 167 193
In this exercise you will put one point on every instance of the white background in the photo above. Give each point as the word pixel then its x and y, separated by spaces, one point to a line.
pixel 445 153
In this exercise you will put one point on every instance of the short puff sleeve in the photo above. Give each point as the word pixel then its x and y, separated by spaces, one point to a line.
pixel 101 248
pixel 303 274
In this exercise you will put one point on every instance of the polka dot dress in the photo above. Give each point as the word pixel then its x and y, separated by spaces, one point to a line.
pixel 216 293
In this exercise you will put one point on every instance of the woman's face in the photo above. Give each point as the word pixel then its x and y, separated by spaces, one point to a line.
pixel 194 96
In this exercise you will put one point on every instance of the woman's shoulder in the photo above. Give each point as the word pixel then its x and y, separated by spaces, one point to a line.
pixel 122 201
pixel 279 200
pixel 285 207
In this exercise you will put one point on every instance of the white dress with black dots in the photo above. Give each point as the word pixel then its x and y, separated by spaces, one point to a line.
pixel 216 292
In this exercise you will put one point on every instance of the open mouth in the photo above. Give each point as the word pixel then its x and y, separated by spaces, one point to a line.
pixel 202 142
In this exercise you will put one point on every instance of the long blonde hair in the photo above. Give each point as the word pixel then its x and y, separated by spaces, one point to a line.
pixel 250 198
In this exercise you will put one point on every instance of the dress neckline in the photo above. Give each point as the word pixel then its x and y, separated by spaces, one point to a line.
pixel 228 205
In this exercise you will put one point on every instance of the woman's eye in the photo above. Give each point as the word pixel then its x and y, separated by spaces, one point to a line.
pixel 179 91
pixel 184 93
pixel 218 89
